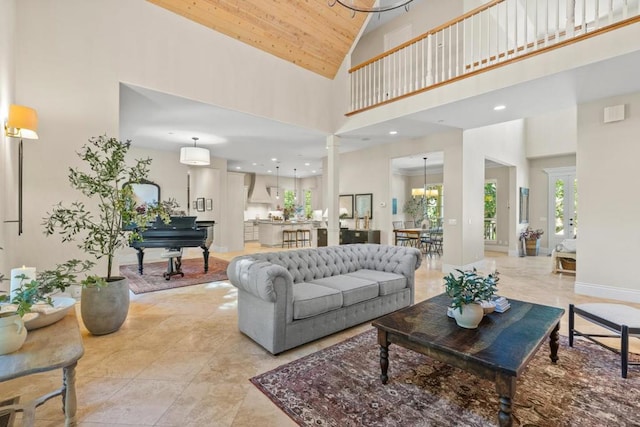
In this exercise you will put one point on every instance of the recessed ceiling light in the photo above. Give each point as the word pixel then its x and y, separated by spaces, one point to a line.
pixel 499 107
pixel 307 164
pixel 269 171
pixel 238 167
pixel 313 171
pixel 274 159
pixel 393 132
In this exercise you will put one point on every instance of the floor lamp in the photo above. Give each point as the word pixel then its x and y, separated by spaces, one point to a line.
pixel 22 123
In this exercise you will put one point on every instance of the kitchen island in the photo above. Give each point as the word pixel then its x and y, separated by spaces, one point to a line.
pixel 270 232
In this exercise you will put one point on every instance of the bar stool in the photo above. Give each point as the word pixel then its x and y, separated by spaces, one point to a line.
pixel 289 238
pixel 303 236
pixel 174 263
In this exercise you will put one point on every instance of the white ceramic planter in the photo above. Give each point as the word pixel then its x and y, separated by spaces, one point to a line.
pixel 12 332
pixel 470 317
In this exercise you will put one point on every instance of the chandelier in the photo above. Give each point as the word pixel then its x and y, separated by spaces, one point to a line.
pixel 382 5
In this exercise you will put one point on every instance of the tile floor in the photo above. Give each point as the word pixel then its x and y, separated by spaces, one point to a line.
pixel 179 359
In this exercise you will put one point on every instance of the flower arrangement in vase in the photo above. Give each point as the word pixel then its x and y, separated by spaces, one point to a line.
pixel 530 239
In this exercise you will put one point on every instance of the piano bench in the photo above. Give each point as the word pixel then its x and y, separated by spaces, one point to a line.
pixel 174 263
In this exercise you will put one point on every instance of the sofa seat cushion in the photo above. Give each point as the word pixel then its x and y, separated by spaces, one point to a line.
pixel 310 300
pixel 389 283
pixel 354 289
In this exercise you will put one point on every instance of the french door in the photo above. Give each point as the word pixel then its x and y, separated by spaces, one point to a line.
pixel 563 205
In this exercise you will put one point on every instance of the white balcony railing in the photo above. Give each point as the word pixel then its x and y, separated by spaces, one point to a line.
pixel 495 33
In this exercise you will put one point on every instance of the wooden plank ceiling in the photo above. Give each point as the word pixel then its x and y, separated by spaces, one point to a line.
pixel 308 33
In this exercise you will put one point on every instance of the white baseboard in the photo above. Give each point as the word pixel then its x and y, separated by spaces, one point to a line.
pixel 609 292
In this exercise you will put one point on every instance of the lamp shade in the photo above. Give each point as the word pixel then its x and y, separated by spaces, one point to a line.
pixel 22 122
pixel 194 156
pixel 417 192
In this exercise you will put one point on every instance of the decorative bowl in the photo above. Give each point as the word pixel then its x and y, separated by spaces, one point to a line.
pixel 46 315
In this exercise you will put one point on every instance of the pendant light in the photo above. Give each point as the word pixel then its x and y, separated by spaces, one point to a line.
pixel 194 155
pixel 295 193
pixel 277 182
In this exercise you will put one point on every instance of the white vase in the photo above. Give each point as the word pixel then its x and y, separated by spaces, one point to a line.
pixel 12 332
pixel 470 317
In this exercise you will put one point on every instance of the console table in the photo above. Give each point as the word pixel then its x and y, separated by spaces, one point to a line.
pixel 57 346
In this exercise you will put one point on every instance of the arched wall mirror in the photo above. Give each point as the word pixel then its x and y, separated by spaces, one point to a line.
pixel 145 192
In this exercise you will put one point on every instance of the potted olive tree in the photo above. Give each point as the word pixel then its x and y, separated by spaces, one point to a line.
pixel 105 299
pixel 467 290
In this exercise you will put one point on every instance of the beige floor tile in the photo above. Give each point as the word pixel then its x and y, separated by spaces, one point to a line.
pixel 140 402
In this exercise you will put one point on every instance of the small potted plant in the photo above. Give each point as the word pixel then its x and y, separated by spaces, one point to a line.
pixel 531 240
pixel 467 290
pixel 12 328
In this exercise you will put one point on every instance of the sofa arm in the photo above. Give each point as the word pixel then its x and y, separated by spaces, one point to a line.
pixel 257 277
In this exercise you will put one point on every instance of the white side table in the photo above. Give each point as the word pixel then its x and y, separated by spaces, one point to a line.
pixel 57 346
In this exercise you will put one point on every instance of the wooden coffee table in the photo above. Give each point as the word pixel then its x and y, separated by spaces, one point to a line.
pixel 498 350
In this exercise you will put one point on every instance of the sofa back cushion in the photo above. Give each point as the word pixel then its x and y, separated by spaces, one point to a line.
pixel 306 265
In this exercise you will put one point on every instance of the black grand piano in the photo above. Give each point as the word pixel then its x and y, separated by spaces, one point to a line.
pixel 180 232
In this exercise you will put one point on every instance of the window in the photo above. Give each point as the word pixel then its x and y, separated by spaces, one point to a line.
pixel 490 224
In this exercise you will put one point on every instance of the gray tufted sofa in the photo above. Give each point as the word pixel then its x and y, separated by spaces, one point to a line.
pixel 288 298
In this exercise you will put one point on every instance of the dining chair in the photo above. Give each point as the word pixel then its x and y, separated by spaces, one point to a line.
pixel 401 238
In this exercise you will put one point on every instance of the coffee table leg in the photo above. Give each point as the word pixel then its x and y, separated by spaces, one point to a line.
pixel 554 343
pixel 506 388
pixel 384 355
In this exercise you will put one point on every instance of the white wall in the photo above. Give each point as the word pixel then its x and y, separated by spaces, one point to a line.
pixel 608 236
pixel 8 233
pixel 553 133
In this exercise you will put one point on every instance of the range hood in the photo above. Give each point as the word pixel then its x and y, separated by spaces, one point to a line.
pixel 258 190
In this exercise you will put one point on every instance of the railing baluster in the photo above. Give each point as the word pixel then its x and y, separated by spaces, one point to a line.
pixel 429 61
pixel 610 12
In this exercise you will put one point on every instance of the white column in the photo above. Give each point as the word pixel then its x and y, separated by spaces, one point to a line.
pixel 333 190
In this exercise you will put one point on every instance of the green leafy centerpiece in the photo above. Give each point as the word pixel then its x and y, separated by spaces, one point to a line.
pixel 467 290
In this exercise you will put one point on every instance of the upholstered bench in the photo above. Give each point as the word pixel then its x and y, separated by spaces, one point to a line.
pixel 621 319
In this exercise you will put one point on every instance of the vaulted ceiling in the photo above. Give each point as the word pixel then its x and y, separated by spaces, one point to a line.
pixel 308 33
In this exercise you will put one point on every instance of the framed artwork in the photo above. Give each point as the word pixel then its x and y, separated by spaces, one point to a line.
pixel 194 205
pixel 524 205
pixel 394 206
pixel 364 205
pixel 346 206
pixel 209 203
pixel 200 204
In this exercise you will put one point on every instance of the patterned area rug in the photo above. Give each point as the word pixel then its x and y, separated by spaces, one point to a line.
pixel 340 386
pixel 193 270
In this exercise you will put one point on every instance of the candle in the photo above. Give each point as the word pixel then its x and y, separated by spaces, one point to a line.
pixel 30 274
